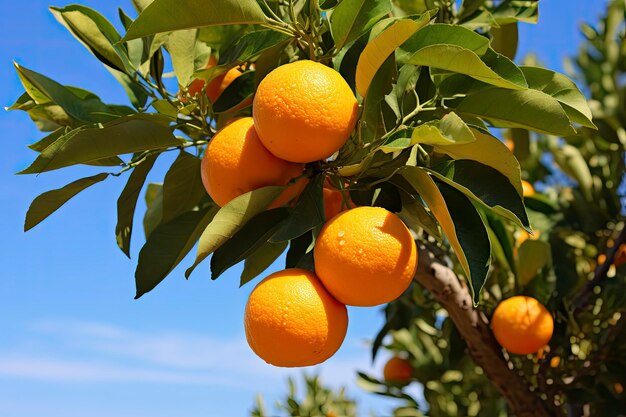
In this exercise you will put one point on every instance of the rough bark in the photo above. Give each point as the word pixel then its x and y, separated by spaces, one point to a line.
pixel 455 297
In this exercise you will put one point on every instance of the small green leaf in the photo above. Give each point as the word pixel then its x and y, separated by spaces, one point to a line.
pixel 167 245
pixel 450 130
pixel 532 255
pixel 50 201
pixel 250 237
pixel 504 40
pixel 527 109
pixel 230 218
pixel 307 214
pixel 353 18
pixel 182 186
pixel 124 135
pixel 127 202
pixel 260 260
pixel 170 15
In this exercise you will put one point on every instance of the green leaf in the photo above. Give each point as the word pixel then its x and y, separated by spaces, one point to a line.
pixel 50 201
pixel 236 92
pixel 353 18
pixel 570 159
pixel 300 253
pixel 532 255
pixel 42 144
pixel 487 186
pixel 125 135
pixel 488 151
pixel 450 130
pixel 127 202
pixel 260 260
pixel 464 61
pixel 250 237
pixel 307 214
pixel 167 245
pixel 371 125
pixel 378 50
pixel 504 40
pixel 170 15
pixel 182 186
pixel 527 109
pixel 181 47
pixel 562 89
pixel 459 221
pixel 230 218
pixel 43 90
pixel 96 33
pixel 414 214
pixel 443 34
pixel 154 211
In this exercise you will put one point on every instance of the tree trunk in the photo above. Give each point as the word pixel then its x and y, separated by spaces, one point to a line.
pixel 472 324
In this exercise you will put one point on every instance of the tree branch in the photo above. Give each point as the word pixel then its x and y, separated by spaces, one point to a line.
pixel 472 324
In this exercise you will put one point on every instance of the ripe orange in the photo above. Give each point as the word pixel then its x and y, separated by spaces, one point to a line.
pixel 291 320
pixel 335 201
pixel 398 371
pixel 236 162
pixel 620 256
pixel 365 256
pixel 304 111
pixel 522 325
pixel 527 189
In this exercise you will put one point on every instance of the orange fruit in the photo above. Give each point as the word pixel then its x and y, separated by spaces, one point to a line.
pixel 365 256
pixel 522 325
pixel 236 162
pixel 398 371
pixel 304 111
pixel 291 320
pixel 335 201
pixel 523 235
pixel 527 189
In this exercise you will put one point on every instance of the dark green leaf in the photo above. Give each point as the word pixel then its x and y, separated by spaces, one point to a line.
pixel 353 18
pixel 307 214
pixel 504 40
pixel 236 92
pixel 230 218
pixel 167 245
pixel 50 201
pixel 300 253
pixel 124 135
pixel 127 202
pixel 170 15
pixel 260 260
pixel 472 235
pixel 182 186
pixel 250 237
pixel 486 185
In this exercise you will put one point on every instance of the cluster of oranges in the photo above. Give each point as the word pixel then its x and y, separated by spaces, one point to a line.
pixel 363 256
pixel 305 112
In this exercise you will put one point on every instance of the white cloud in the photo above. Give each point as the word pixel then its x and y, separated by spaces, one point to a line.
pixel 114 354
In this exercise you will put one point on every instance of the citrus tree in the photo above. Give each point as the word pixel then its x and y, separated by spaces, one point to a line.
pixel 355 136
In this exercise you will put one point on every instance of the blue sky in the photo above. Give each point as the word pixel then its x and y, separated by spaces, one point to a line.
pixel 73 341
